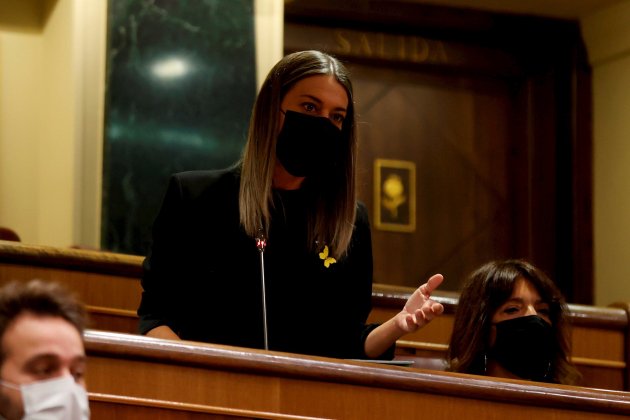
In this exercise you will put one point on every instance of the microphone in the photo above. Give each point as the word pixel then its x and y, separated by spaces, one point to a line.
pixel 261 243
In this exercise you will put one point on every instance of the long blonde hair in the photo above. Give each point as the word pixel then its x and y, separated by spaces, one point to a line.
pixel 331 219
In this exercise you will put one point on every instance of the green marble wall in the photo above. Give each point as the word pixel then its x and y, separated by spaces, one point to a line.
pixel 180 86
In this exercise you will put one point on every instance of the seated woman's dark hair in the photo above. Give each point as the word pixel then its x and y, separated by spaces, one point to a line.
pixel 486 289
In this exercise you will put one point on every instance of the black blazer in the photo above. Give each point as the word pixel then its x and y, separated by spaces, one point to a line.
pixel 202 276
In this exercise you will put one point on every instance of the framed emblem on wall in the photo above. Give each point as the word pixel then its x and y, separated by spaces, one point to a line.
pixel 395 195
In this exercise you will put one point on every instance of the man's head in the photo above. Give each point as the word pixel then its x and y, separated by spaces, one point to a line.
pixel 41 339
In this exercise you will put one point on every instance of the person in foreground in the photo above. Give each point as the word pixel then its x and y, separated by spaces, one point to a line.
pixel 42 359
pixel 511 322
pixel 289 205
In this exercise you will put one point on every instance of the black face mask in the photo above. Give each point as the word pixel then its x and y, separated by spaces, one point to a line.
pixel 308 145
pixel 525 346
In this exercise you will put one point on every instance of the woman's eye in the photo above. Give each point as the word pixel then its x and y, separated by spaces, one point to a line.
pixel 309 107
pixel 511 310
pixel 544 311
pixel 338 118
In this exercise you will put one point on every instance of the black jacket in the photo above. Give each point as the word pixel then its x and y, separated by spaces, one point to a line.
pixel 202 275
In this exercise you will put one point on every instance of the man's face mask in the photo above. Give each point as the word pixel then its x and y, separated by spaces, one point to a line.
pixel 309 145
pixel 52 399
pixel 525 346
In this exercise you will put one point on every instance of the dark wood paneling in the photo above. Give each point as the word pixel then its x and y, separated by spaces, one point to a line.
pixel 493 109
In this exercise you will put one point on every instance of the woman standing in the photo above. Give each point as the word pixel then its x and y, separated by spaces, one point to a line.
pixel 286 213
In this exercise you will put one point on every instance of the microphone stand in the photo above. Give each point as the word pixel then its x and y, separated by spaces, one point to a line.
pixel 261 243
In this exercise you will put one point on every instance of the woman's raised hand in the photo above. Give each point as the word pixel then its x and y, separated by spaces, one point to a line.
pixel 420 309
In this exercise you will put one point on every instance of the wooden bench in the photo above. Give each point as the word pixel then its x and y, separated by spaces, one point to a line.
pixel 146 374
pixel 109 285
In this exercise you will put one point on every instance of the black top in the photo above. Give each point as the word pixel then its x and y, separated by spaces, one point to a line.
pixel 202 275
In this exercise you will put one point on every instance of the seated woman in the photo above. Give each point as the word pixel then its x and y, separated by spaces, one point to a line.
pixel 511 322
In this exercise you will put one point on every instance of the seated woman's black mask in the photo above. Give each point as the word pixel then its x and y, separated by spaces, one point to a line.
pixel 525 346
pixel 308 145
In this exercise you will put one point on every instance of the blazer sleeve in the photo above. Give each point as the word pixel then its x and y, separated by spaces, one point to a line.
pixel 156 306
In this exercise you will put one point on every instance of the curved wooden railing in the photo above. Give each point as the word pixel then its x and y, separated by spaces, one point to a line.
pixel 256 380
pixel 71 259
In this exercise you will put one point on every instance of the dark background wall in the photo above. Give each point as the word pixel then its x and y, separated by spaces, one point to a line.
pixel 494 113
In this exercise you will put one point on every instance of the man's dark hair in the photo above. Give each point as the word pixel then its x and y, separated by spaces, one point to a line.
pixel 39 298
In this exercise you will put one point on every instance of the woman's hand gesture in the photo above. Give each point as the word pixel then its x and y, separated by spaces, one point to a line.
pixel 420 309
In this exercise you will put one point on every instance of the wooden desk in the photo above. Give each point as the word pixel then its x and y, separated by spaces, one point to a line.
pixel 109 285
pixel 215 380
